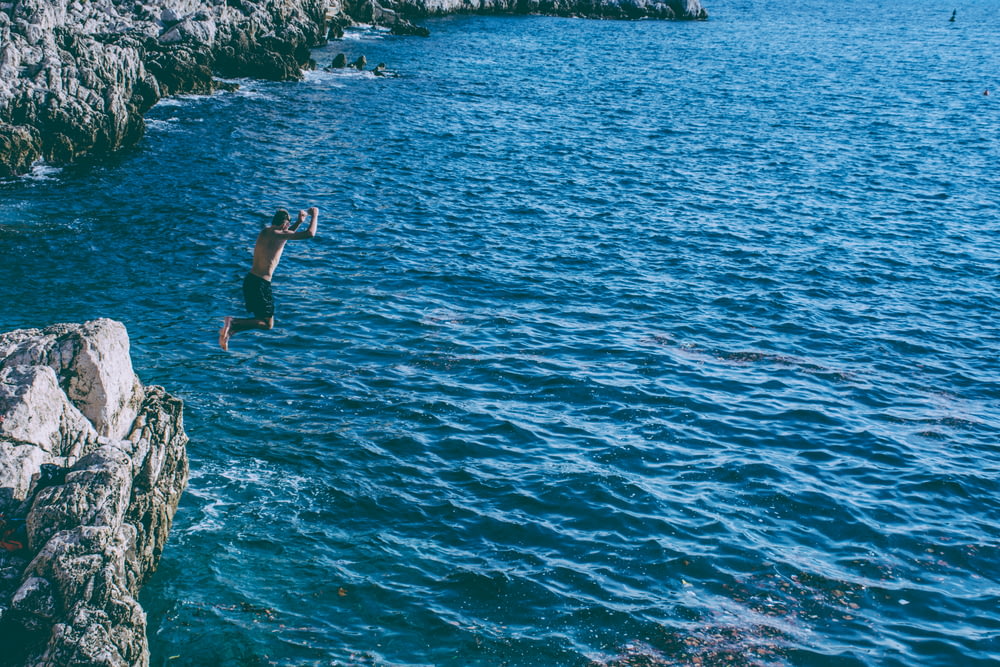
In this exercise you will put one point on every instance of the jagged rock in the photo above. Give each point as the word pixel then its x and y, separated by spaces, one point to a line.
pixel 661 9
pixel 267 65
pixel 92 364
pixel 76 78
pixel 21 145
pixel 398 15
pixel 183 69
pixel 339 61
pixel 337 24
pixel 404 27
pixel 17 465
pixel 34 409
pixel 69 396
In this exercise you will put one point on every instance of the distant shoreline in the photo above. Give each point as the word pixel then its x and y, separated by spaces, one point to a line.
pixel 66 94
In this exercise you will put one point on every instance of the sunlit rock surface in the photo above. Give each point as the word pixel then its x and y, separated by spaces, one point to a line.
pixel 77 76
pixel 92 466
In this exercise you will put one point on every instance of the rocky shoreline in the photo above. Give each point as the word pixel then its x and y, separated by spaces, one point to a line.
pixel 92 467
pixel 77 76
pixel 92 463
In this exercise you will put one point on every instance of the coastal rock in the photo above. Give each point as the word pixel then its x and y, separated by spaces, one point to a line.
pixel 92 364
pixel 398 15
pixel 21 145
pixel 76 78
pixel 92 467
pixel 403 27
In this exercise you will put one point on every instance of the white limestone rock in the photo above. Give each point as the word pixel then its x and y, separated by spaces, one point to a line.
pixel 18 463
pixel 95 533
pixel 77 76
pixel 93 367
pixel 34 409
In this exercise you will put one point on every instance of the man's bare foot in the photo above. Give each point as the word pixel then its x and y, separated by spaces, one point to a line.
pixel 224 333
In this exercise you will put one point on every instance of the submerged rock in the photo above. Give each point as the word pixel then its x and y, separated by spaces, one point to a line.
pixel 92 466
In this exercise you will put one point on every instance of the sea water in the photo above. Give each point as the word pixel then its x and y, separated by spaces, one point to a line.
pixel 621 343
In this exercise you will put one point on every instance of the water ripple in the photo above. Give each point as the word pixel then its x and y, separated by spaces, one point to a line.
pixel 620 343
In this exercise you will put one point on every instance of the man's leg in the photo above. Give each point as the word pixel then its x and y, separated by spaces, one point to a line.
pixel 259 301
pixel 225 332
pixel 233 325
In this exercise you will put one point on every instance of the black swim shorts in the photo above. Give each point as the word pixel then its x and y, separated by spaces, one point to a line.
pixel 257 295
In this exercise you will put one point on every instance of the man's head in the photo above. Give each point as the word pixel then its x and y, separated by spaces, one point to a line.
pixel 281 218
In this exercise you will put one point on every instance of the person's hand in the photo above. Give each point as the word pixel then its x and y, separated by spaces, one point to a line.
pixel 313 210
pixel 302 215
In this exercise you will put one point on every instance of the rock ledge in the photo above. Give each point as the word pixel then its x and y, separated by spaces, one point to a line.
pixel 92 466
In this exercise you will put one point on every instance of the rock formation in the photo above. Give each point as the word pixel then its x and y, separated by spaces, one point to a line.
pixel 92 466
pixel 76 76
pixel 390 12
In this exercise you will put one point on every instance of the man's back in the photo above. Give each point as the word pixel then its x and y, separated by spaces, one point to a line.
pixel 267 252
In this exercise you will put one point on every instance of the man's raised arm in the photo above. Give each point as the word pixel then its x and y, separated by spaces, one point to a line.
pixel 290 234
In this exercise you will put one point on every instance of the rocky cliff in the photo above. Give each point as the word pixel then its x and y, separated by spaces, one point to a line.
pixel 92 466
pixel 617 9
pixel 76 76
pixel 398 14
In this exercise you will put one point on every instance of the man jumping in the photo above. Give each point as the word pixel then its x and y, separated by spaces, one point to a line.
pixel 257 284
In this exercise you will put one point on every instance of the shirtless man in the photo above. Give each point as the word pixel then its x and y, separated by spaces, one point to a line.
pixel 257 284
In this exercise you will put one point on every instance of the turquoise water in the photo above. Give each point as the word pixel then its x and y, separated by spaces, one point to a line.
pixel 621 343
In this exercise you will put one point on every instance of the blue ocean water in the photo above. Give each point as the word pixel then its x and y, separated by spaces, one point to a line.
pixel 621 343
